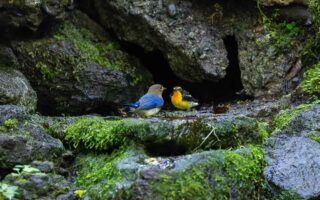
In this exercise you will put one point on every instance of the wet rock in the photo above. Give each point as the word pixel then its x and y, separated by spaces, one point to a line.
pixel 80 69
pixel 293 156
pixel 22 140
pixel 43 166
pixel 12 112
pixel 167 136
pixel 181 39
pixel 260 77
pixel 131 174
pixel 7 57
pixel 15 89
pixel 33 184
pixel 31 14
pixel 282 2
pixel 194 40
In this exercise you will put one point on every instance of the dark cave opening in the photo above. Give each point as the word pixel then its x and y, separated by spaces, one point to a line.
pixel 207 92
pixel 166 148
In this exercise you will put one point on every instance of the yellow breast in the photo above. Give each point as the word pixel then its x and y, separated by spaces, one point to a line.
pixel 177 101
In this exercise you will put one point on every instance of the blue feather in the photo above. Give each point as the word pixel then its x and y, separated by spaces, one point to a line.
pixel 133 105
pixel 150 101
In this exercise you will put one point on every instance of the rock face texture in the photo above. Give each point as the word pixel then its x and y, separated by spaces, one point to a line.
pixel 22 141
pixel 210 174
pixel 31 13
pixel 193 40
pixel 15 89
pixel 292 155
pixel 194 50
pixel 79 69
pixel 282 2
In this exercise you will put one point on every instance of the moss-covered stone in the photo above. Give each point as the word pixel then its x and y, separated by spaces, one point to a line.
pixel 315 135
pixel 100 134
pixel 311 81
pixel 79 67
pixel 314 6
pixel 104 177
pixel 223 175
pixel 191 135
pixel 130 173
pixel 31 183
pixel 286 116
pixel 22 140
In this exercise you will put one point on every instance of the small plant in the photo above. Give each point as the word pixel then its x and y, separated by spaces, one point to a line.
pixel 311 82
pixel 282 35
pixel 286 116
pixel 79 193
pixel 11 123
pixel 8 191
pixel 25 169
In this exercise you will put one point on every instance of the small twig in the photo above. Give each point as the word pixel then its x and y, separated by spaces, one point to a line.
pixel 204 140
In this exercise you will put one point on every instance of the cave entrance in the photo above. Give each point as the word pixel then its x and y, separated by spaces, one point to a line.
pixel 207 92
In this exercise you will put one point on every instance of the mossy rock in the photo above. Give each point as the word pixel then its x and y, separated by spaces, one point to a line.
pixel 293 119
pixel 188 135
pixel 292 152
pixel 79 68
pixel 129 173
pixel 22 140
pixel 31 183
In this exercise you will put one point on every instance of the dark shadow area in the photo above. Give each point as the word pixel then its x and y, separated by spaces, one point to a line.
pixel 166 149
pixel 4 172
pixel 206 92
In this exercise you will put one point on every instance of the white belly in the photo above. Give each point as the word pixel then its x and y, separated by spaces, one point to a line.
pixel 148 113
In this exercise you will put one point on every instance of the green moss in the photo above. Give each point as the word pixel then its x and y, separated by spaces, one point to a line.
pixel 285 117
pixel 91 48
pixel 263 131
pixel 311 81
pixel 11 123
pixel 229 133
pixel 315 136
pixel 287 194
pixel 8 125
pixel 100 176
pixel 100 134
pixel 281 35
pixel 46 71
pixel 314 7
pixel 226 173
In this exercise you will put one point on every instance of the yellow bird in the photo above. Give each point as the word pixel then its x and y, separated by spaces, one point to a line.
pixel 182 100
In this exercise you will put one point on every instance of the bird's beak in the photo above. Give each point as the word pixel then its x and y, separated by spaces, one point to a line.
pixel 164 88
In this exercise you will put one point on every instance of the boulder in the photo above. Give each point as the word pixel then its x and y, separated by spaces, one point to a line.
pixel 131 174
pixel 80 69
pixel 165 136
pixel 196 38
pixel 292 155
pixel 31 14
pixel 194 49
pixel 32 183
pixel 15 89
pixel 7 57
pixel 22 140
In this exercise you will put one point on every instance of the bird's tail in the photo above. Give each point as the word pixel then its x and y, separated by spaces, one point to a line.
pixel 132 105
pixel 194 104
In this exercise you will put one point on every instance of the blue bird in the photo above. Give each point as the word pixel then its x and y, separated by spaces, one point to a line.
pixel 150 103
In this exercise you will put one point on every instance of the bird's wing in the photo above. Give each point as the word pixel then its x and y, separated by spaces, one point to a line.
pixel 187 96
pixel 133 105
pixel 150 101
